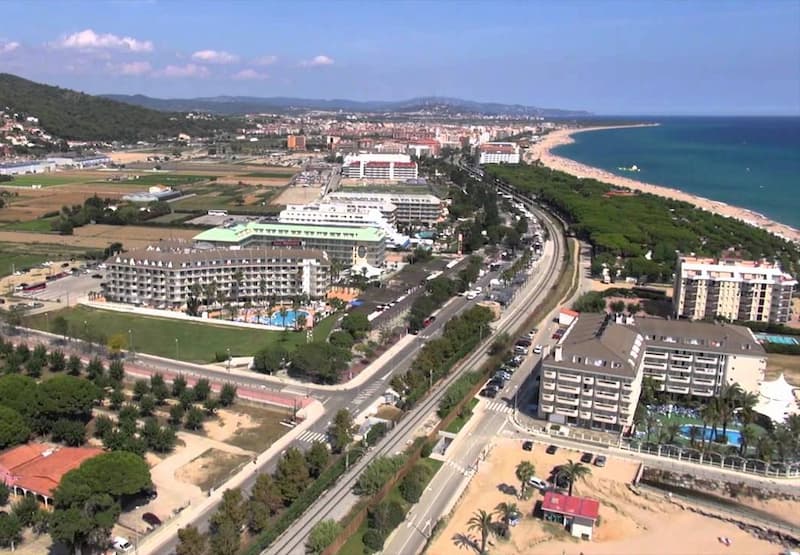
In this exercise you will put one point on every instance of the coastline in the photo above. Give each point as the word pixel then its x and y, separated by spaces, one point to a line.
pixel 542 151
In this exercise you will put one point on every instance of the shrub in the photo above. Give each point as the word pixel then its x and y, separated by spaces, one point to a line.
pixel 373 540
pixel 414 483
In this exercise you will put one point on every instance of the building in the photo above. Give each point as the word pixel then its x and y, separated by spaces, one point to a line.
pixel 578 514
pixel 498 153
pixel 342 214
pixel 348 246
pixel 153 194
pixel 37 469
pixel 29 166
pixel 296 142
pixel 379 166
pixel 79 162
pixel 164 275
pixel 593 377
pixel 386 208
pixel 733 289
pixel 411 208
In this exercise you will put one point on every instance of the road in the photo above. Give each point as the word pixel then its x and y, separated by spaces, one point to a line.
pixel 337 501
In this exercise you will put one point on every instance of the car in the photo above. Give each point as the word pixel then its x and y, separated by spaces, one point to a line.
pixel 519 350
pixel 527 446
pixel 587 458
pixel 496 383
pixel 513 363
pixel 551 449
pixel 537 350
pixel 538 483
pixel 502 375
pixel 97 276
pixel 489 392
pixel 121 545
pixel 600 460
pixel 151 519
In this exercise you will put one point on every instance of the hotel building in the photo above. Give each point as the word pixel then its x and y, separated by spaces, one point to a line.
pixel 164 275
pixel 593 377
pixel 349 246
pixel 411 208
pixel 498 153
pixel 734 289
pixel 397 167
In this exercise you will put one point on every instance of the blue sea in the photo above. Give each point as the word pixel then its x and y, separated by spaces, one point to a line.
pixel 750 162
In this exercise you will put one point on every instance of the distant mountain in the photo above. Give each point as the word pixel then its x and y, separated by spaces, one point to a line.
pixel 69 114
pixel 237 105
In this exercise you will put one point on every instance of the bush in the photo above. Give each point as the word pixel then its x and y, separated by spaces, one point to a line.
pixel 386 516
pixel 373 540
pixel 376 474
pixel 376 432
pixel 414 483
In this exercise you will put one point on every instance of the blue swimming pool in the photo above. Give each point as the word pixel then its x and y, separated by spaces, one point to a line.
pixel 734 436
pixel 779 339
pixel 277 320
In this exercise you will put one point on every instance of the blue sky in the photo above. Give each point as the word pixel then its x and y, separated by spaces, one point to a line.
pixel 609 57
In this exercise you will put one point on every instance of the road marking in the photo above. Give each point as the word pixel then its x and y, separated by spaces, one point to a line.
pixel 310 437
pixel 387 374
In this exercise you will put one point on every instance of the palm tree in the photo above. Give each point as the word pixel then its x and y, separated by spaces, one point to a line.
pixel 749 437
pixel 575 471
pixel 505 512
pixel 728 400
pixel 481 522
pixel 525 471
pixel 782 436
pixel 283 312
pixel 710 416
pixel 301 321
pixel 672 430
pixel 693 433
pixel 650 422
pixel 262 289
pixel 236 286
pixel 765 448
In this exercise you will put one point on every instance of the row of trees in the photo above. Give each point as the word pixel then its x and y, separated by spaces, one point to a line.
pixel 97 210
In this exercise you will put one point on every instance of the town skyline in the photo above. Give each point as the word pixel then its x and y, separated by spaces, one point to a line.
pixel 618 58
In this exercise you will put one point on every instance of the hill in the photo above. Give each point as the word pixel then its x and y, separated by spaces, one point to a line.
pixel 69 114
pixel 249 104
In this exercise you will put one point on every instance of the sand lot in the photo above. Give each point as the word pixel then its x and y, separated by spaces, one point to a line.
pixel 297 195
pixel 100 236
pixel 629 524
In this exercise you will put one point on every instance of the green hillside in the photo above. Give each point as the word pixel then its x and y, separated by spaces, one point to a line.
pixel 69 114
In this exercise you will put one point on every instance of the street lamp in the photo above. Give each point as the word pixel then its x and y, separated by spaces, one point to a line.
pixel 130 343
pixel 177 349
pixel 229 359
pixel 516 394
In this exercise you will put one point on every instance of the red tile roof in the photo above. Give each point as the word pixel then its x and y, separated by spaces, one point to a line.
pixel 570 312
pixel 39 468
pixel 405 164
pixel 378 164
pixel 570 505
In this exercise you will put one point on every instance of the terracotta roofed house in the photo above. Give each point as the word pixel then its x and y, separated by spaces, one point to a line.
pixel 577 513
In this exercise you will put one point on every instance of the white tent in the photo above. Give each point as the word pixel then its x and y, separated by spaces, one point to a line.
pixel 776 400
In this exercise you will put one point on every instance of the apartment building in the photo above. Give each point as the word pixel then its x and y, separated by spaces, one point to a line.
pixel 734 289
pixel 411 208
pixel 296 142
pixel 593 377
pixel 164 275
pixel 498 153
pixel 379 166
pixel 386 208
pixel 345 245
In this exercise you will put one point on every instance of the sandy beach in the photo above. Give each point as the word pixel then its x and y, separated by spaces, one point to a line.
pixel 542 151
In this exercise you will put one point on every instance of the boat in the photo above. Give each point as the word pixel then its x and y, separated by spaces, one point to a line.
pixel 634 168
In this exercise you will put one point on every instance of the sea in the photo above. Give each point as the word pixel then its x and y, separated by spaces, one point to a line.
pixel 749 162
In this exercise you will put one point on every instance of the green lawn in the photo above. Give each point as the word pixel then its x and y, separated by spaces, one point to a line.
pixel 15 256
pixel 45 180
pixel 456 425
pixel 196 342
pixel 168 179
pixel 42 225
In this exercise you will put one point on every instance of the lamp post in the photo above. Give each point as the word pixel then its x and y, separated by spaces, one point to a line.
pixel 229 359
pixel 516 394
pixel 177 349
pixel 130 344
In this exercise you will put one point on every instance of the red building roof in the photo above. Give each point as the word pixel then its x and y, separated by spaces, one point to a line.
pixel 570 505
pixel 39 468
pixel 405 165
pixel 570 312
pixel 378 164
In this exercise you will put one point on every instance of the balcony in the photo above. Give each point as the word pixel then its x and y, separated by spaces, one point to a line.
pixel 588 380
pixel 677 389
pixel 547 408
pixel 705 371
pixel 706 360
pixel 656 377
pixel 548 397
pixel 606 396
pixel 703 392
pixel 608 383
pixel 550 374
pixel 605 418
pixel 569 378
pixel 605 407
pixel 585 415
pixel 587 392
pixel 549 386
pixel 703 382
pixel 648 365
pixel 681 358
pixel 567 401
pixel 678 379
pixel 660 356
pixel 568 389
pixel 566 412
pixel 586 404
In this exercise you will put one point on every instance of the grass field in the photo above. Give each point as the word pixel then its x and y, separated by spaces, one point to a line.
pixel 45 180
pixel 173 218
pixel 168 179
pixel 189 341
pixel 41 225
pixel 456 425
pixel 18 256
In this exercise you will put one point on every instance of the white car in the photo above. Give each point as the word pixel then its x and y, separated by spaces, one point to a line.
pixel 537 350
pixel 122 545
pixel 538 483
pixel 471 295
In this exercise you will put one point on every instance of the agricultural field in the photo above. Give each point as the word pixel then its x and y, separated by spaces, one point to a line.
pixel 145 180
pixel 45 180
pixel 42 225
pixel 188 341
pixel 225 197
pixel 16 256
pixel 99 236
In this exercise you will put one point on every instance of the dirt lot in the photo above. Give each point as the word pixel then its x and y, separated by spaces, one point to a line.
pixel 788 365
pixel 629 524
pixel 297 195
pixel 34 203
pixel 100 236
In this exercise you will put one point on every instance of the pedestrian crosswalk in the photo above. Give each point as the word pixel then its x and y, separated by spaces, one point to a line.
pixel 310 437
pixel 367 392
pixel 499 406
pixel 465 471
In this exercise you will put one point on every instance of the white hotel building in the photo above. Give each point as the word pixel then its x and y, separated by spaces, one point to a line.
pixel 734 289
pixel 593 377
pixel 392 167
pixel 498 153
pixel 411 208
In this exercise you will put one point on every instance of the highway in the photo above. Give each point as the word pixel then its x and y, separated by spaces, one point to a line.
pixel 337 501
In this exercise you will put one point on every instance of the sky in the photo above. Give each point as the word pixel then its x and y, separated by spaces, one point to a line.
pixel 635 57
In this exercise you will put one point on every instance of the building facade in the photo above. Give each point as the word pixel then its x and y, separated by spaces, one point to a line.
pixel 379 166
pixel 593 377
pixel 166 275
pixel 734 289
pixel 296 142
pixel 346 245
pixel 498 153
pixel 410 208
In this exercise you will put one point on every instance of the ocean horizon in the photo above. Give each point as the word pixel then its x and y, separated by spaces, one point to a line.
pixel 749 162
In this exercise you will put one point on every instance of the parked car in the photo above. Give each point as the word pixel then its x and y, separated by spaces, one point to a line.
pixel 151 519
pixel 97 276
pixel 497 383
pixel 600 460
pixel 122 545
pixel 488 392
pixel 538 483
pixel 587 458
pixel 551 449
pixel 502 375
pixel 537 350
pixel 527 446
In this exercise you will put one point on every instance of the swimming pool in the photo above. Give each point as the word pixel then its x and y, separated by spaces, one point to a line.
pixel 277 320
pixel 734 436
pixel 779 339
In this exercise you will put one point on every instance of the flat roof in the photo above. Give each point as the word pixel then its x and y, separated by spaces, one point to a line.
pixel 39 468
pixel 239 232
pixel 571 505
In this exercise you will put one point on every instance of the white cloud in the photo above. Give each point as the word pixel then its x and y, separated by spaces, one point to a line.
pixel 265 60
pixel 6 47
pixel 320 60
pixel 189 70
pixel 89 40
pixel 250 74
pixel 133 68
pixel 215 57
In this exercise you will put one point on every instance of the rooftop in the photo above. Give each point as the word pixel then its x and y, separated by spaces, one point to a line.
pixel 39 468
pixel 240 232
pixel 178 253
pixel 571 505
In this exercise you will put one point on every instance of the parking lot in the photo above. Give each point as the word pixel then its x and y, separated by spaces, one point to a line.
pixel 67 290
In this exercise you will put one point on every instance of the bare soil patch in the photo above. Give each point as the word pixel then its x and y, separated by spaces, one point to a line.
pixel 212 468
pixel 297 195
pixel 227 424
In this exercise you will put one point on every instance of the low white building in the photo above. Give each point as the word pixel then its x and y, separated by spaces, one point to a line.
pixel 498 153
pixel 28 166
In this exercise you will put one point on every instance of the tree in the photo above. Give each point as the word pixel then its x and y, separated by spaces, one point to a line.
pixel 524 472
pixel 413 484
pixel 4 493
pixel 69 432
pixel 95 369
pixel 116 371
pixel 225 537
pixel 60 326
pixel 227 395
pixel 191 542
pixel 376 474
pixel 322 535
pixel 481 522
pixel 102 426
pixel 317 458
pixel 232 507
pixel 292 475
pixel 20 393
pixel 57 361
pixel 140 388
pixel 116 399
pixel 592 301
pixel 186 398
pixel 178 385
pixel 211 405
pixel 341 430
pixel 116 474
pixel 117 343
pixel 194 419
pixel 672 430
pixel 13 427
pixel 356 324
pixel 176 413
pixel 10 531
pixel 270 359
pixel 25 510
pixel 68 397
pixel 147 404
pixel 265 501
pixel 506 512
pixel 749 436
pixel 301 321
pixel 202 389
pixel 575 471
pixel 74 365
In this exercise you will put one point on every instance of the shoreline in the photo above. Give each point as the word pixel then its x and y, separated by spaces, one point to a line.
pixel 541 151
